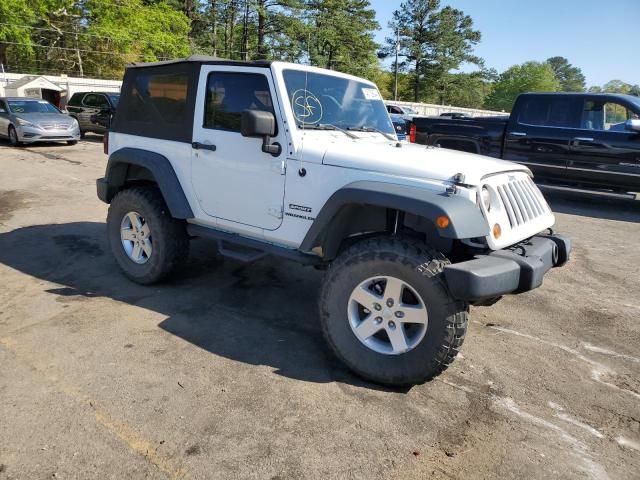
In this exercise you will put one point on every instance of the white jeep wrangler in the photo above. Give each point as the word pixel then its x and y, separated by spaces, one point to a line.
pixel 290 160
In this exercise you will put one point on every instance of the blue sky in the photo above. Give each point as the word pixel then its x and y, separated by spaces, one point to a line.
pixel 600 37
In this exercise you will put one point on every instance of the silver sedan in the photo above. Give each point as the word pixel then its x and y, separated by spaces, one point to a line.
pixel 28 120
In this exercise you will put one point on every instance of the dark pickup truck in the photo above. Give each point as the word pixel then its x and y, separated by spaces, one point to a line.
pixel 576 140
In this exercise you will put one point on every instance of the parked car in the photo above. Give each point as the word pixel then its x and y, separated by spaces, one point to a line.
pixel 409 236
pixel 568 140
pixel 401 126
pixel 93 110
pixel 29 120
pixel 401 110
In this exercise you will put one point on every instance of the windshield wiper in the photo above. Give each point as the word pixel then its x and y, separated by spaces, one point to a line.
pixel 372 129
pixel 328 126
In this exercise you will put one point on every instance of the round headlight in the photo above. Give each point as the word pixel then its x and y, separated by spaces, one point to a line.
pixel 486 198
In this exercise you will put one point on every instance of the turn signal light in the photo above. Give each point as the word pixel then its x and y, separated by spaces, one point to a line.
pixel 497 231
pixel 442 221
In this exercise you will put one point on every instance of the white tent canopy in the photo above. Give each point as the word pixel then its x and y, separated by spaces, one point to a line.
pixel 30 87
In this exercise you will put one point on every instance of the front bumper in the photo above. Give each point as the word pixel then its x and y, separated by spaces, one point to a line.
pixel 518 269
pixel 27 134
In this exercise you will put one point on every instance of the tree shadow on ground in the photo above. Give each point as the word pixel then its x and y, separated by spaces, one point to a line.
pixel 264 313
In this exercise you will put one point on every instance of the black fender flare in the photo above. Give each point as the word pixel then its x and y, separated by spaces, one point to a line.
pixel 160 168
pixel 465 218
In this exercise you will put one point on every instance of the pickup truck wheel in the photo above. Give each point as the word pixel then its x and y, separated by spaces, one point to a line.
pixel 387 314
pixel 147 242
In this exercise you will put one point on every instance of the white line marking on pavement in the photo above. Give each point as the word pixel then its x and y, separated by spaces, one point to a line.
pixel 578 423
pixel 625 442
pixel 579 449
pixel 604 351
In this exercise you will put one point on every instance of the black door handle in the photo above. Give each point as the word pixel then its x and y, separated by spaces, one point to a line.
pixel 203 146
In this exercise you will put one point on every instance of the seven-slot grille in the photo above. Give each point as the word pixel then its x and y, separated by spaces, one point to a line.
pixel 522 200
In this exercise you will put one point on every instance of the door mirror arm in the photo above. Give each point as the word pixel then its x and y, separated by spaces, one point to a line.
pixel 274 149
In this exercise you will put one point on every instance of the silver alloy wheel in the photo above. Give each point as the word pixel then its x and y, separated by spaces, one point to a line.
pixel 387 315
pixel 136 237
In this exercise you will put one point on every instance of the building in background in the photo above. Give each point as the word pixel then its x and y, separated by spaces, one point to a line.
pixel 55 89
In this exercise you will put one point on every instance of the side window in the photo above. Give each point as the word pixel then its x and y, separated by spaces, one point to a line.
pixel 158 95
pixel 559 112
pixel 3 108
pixel 229 94
pixel 604 115
pixel 75 99
pixel 101 101
pixel 534 111
pixel 90 100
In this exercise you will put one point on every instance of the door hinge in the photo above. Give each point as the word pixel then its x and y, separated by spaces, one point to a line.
pixel 275 211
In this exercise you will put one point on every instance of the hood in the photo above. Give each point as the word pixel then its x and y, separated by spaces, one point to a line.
pixel 37 118
pixel 411 160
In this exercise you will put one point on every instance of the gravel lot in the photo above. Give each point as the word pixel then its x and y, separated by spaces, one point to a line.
pixel 223 373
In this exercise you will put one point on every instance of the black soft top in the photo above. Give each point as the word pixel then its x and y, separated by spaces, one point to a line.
pixel 203 60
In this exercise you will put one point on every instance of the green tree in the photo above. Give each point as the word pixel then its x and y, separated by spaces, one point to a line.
pixel 433 42
pixel 340 35
pixel 616 86
pixel 465 89
pixel 571 78
pixel 15 15
pixel 528 77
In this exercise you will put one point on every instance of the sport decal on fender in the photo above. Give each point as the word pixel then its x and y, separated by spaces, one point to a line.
pixel 300 208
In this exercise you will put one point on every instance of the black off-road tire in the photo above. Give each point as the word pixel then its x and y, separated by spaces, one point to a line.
pixel 419 266
pixel 169 235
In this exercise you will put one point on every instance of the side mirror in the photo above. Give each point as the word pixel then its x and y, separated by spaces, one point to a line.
pixel 258 123
pixel 633 124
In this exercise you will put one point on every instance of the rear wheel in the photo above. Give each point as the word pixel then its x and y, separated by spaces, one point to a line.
pixel 387 314
pixel 147 242
pixel 72 142
pixel 13 137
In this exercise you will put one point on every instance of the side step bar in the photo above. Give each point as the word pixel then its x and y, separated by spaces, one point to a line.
pixel 585 191
pixel 249 249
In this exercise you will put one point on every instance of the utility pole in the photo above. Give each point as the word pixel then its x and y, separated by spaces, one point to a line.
pixel 395 88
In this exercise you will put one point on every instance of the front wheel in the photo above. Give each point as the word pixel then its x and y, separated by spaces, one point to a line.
pixel 13 137
pixel 387 314
pixel 147 242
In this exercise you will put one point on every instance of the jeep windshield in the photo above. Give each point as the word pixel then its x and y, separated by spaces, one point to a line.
pixel 324 102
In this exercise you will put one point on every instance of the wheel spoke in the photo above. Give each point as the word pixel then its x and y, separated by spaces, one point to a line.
pixel 146 248
pixel 413 314
pixel 134 219
pixel 393 290
pixel 368 327
pixel 127 234
pixel 365 297
pixel 398 339
pixel 137 252
pixel 145 230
